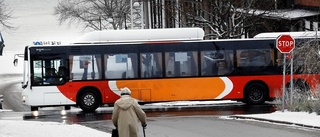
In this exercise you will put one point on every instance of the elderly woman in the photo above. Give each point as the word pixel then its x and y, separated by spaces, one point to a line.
pixel 126 115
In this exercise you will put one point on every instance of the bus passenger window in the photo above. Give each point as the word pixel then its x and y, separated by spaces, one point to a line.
pixel 181 64
pixel 216 62
pixel 151 65
pixel 254 58
pixel 85 67
pixel 121 66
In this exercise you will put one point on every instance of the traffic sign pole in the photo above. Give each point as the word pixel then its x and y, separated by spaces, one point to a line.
pixel 285 44
pixel 291 79
pixel 283 80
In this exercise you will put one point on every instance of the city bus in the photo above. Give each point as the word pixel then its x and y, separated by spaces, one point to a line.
pixel 157 66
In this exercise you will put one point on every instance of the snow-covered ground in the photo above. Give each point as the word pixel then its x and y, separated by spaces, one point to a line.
pixel 11 128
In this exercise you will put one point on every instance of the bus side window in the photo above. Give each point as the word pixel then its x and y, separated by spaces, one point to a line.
pixel 253 58
pixel 85 67
pixel 121 66
pixel 181 64
pixel 151 65
pixel 216 62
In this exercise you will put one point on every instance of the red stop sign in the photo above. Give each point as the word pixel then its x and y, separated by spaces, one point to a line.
pixel 285 43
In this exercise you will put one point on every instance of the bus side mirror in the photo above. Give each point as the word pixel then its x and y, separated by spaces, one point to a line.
pixel 15 59
pixel 15 62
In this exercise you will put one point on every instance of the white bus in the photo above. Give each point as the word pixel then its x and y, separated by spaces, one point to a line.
pixel 157 65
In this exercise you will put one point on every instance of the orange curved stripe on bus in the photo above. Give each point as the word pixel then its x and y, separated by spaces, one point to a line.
pixel 174 89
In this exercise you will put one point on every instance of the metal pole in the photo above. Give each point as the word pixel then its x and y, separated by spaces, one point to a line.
pixel 283 80
pixel 100 23
pixel 125 21
pixel 291 79
pixel 141 12
pixel 131 16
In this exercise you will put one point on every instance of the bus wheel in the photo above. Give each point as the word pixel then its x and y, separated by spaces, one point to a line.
pixel 67 107
pixel 34 108
pixel 255 93
pixel 88 100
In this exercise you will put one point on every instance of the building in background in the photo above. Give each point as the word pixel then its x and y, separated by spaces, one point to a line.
pixel 274 16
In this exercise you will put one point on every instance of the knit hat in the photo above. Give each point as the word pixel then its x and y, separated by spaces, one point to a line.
pixel 125 91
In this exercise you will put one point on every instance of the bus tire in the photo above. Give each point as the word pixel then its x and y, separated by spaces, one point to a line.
pixel 33 108
pixel 255 93
pixel 67 107
pixel 88 100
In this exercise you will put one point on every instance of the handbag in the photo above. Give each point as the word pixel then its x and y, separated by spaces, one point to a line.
pixel 115 133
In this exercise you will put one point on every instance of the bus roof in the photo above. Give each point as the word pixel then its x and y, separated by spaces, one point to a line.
pixel 297 34
pixel 168 34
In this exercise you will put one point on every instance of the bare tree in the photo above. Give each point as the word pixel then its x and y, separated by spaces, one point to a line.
pixel 94 14
pixel 5 16
pixel 307 56
pixel 224 18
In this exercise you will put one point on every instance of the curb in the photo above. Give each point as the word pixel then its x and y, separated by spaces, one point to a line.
pixel 276 121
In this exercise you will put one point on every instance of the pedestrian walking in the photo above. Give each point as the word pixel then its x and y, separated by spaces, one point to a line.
pixel 126 115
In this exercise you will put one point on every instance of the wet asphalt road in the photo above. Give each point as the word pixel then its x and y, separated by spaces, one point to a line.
pixel 163 121
pixel 200 121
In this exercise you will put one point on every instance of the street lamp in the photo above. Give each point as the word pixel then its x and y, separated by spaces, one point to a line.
pixel 110 20
pixel 136 4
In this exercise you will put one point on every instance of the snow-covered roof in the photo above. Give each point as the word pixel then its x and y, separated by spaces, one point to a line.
pixel 292 14
pixel 289 14
pixel 108 36
pixel 297 34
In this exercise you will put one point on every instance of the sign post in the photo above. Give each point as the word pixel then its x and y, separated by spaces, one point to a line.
pixel 1 44
pixel 285 44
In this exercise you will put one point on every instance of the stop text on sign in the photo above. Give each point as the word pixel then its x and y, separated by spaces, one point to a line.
pixel 285 43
